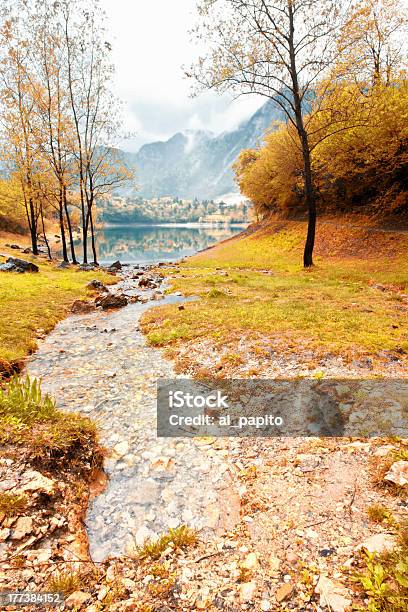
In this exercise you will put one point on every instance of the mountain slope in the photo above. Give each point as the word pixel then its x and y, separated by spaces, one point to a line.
pixel 197 163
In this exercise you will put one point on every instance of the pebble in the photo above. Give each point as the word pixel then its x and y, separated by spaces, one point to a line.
pixel 292 558
pixel 143 534
pixel 76 599
pixel 33 481
pixel 398 473
pixel 22 527
pixel 283 592
pixel 274 565
pixel 250 562
pixel 333 596
pixel 121 448
pixel 247 591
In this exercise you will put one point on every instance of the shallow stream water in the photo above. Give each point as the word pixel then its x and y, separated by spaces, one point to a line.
pixel 100 366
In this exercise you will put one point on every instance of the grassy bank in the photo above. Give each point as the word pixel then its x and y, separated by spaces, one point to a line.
pixel 31 421
pixel 352 302
pixel 31 304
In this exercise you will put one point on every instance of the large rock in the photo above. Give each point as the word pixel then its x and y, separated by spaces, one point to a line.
pixel 82 307
pixel 112 301
pixel 14 264
pixel 148 283
pixel 379 543
pixel 116 265
pixel 35 482
pixel 333 595
pixel 88 267
pixel 398 473
pixel 8 267
pixel 23 527
pixel 96 285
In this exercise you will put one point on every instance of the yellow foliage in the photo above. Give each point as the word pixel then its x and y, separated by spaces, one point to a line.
pixel 269 176
pixel 12 212
pixel 367 163
pixel 359 158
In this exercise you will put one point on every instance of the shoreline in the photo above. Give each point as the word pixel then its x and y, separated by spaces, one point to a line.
pixel 188 225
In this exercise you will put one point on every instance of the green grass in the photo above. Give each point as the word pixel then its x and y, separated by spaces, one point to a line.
pixel 30 303
pixel 384 577
pixel 65 583
pixel 377 513
pixel 333 307
pixel 12 504
pixel 181 538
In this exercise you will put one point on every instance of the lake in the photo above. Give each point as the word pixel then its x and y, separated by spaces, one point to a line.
pixel 147 244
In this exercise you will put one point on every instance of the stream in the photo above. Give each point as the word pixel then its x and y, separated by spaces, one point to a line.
pixel 99 365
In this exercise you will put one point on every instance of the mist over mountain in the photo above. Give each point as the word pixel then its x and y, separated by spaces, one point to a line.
pixel 197 163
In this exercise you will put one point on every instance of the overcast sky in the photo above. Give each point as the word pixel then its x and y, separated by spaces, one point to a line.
pixel 151 44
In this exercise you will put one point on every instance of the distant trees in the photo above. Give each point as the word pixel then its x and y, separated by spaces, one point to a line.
pixel 307 56
pixel 59 118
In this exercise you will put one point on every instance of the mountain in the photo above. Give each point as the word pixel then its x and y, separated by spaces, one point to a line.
pixel 197 163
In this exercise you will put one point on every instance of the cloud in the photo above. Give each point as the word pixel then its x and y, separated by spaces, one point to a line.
pixel 151 42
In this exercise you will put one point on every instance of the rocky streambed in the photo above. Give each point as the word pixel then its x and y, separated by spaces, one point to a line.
pixel 98 364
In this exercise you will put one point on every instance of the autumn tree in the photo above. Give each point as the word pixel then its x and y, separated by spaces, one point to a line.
pixel 25 143
pixel 375 35
pixel 55 134
pixel 95 111
pixel 18 117
pixel 277 49
pixel 366 168
pixel 271 175
pixel 12 209
pixel 363 169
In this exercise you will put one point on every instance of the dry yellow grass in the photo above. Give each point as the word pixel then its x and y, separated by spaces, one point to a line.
pixel 353 302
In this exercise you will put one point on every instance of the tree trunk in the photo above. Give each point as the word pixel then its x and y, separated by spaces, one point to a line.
pixel 84 226
pixel 95 257
pixel 310 198
pixel 311 206
pixel 71 238
pixel 62 229
pixel 44 232
pixel 33 226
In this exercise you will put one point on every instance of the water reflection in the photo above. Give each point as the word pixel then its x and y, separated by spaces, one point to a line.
pixel 151 244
